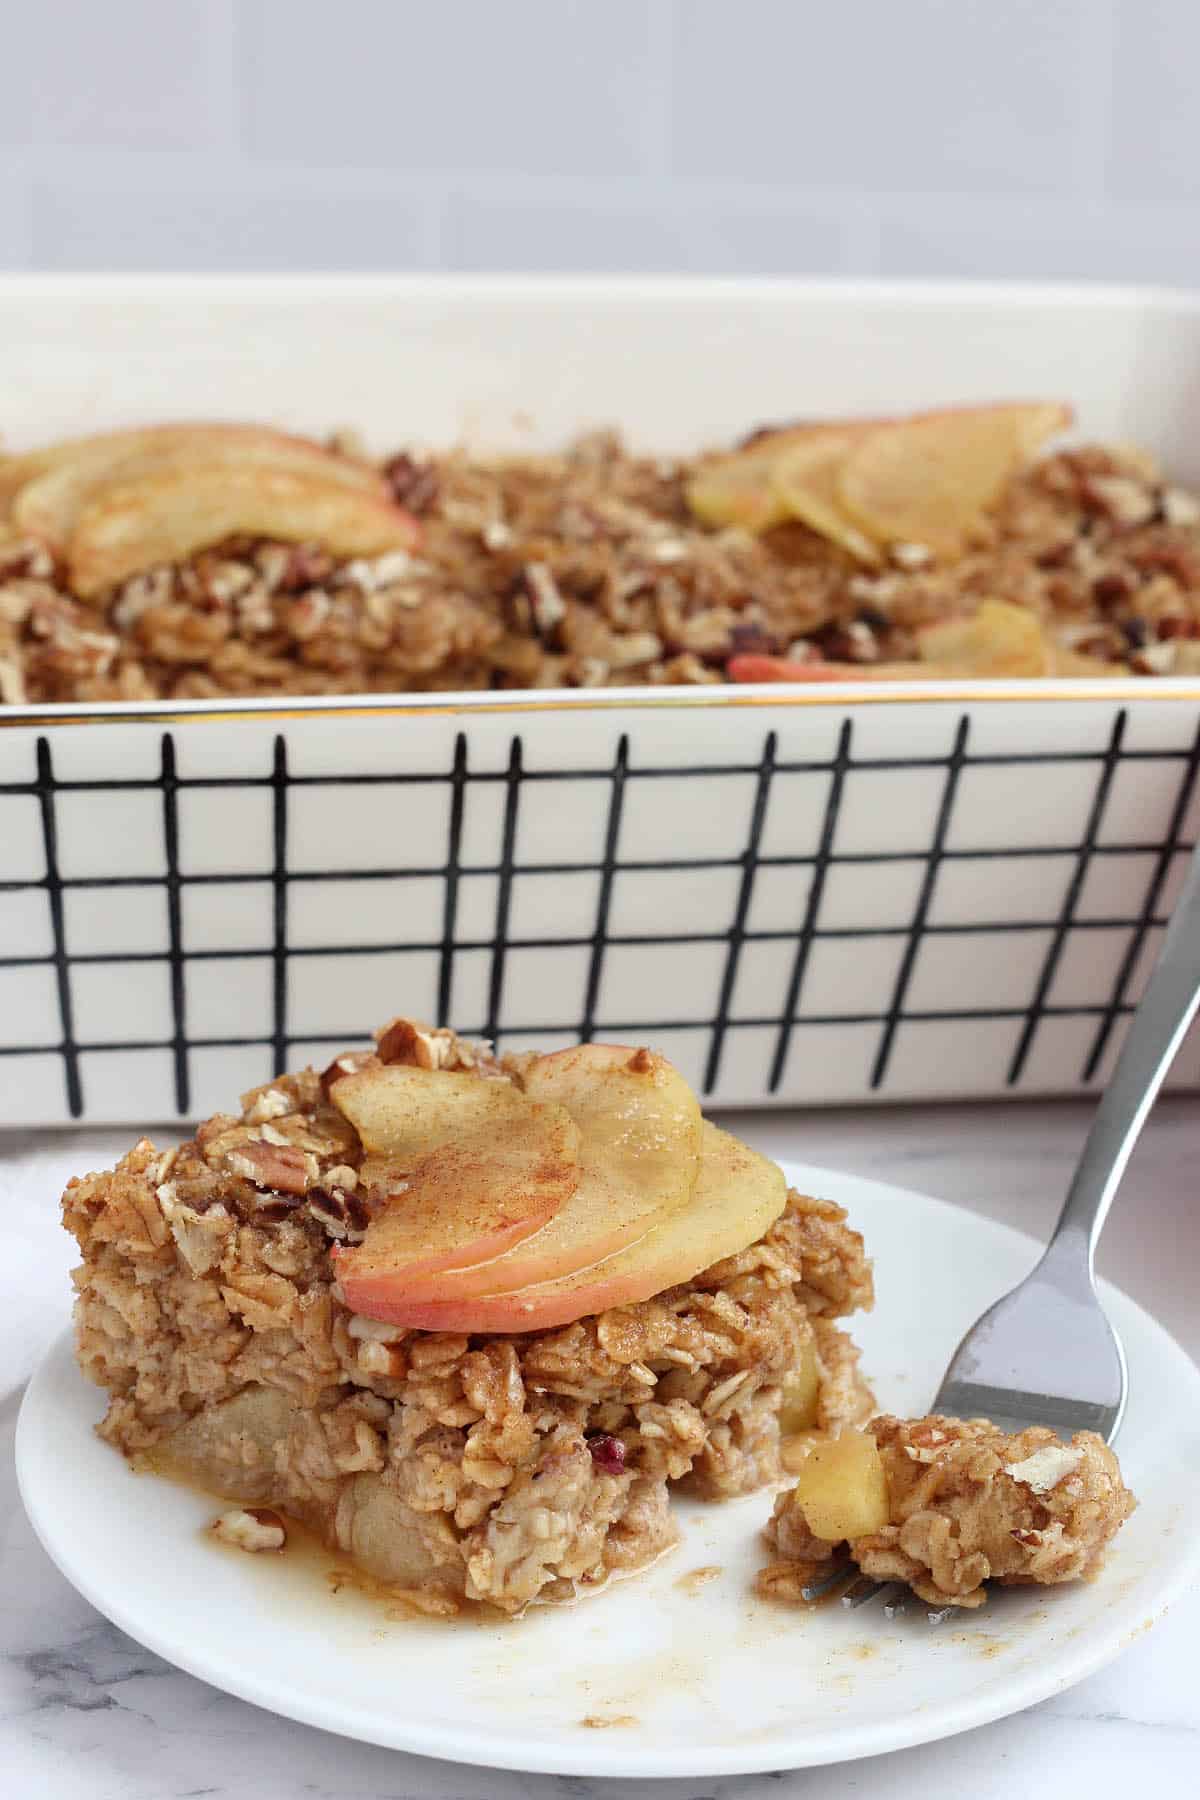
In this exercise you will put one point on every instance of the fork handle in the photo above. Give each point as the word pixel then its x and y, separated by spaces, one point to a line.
pixel 1166 1010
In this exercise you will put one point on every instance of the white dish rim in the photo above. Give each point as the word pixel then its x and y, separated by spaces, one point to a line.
pixel 1132 690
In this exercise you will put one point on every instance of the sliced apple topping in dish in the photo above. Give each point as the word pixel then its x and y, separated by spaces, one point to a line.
pixel 929 480
pixel 871 484
pixel 638 1128
pixel 115 505
pixel 806 481
pixel 164 518
pixel 48 505
pixel 998 641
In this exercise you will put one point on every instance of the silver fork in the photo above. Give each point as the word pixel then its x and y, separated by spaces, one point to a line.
pixel 1046 1353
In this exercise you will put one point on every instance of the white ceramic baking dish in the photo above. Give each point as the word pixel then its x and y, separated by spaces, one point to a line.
pixel 849 894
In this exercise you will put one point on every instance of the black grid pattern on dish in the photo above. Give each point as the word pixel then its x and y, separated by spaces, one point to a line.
pixel 618 777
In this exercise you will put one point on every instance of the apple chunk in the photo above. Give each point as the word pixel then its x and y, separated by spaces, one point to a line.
pixel 166 517
pixel 841 1488
pixel 738 1195
pixel 49 504
pixel 801 1393
pixel 466 1201
pixel 639 1126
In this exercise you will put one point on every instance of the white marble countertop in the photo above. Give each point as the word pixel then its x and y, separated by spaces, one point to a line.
pixel 84 1711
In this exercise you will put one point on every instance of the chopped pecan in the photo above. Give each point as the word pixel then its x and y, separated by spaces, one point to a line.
pixel 349 1063
pixel 307 566
pixel 547 606
pixel 749 638
pixel 280 1167
pixel 414 484
pixel 1124 501
pixel 430 1047
pixel 343 1214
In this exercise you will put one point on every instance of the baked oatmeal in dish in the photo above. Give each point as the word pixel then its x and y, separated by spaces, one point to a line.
pixel 200 561
pixel 469 1320
pixel 946 1505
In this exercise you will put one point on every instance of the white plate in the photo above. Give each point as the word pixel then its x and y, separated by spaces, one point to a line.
pixel 686 1678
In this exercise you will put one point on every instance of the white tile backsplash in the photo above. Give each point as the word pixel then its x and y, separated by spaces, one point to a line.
pixel 932 94
pixel 165 218
pixel 1153 136
pixel 135 74
pixel 937 137
pixel 1037 238
pixel 16 216
pixel 461 85
pixel 583 232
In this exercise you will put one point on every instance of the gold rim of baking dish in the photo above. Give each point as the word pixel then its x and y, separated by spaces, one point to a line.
pixel 843 694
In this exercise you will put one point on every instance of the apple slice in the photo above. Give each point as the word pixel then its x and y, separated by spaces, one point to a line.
pixel 467 1201
pixel 167 517
pixel 999 639
pixel 738 490
pixel 737 1197
pixel 404 1112
pixel 48 506
pixel 929 480
pixel 639 1126
pixel 20 471
pixel 638 1116
pixel 742 488
pixel 805 480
